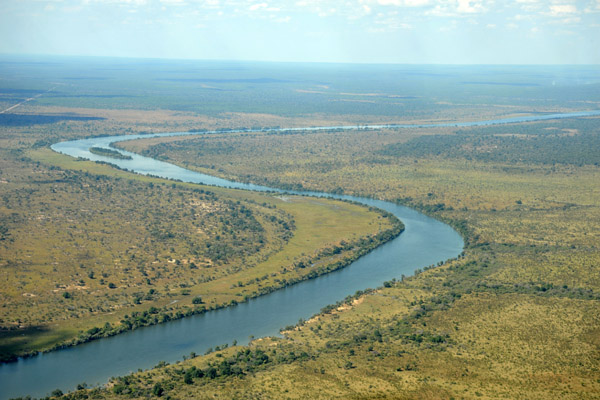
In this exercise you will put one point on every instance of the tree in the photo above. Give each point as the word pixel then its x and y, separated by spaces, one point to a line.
pixel 188 379
pixel 158 390
pixel 211 372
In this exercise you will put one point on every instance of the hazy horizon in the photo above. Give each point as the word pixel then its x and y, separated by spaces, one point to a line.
pixel 446 32
pixel 258 61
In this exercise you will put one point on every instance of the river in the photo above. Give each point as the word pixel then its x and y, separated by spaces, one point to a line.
pixel 424 242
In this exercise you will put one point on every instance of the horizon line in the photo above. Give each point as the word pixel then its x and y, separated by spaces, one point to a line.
pixel 125 58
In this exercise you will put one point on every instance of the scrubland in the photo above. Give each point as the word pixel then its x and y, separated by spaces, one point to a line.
pixel 89 251
pixel 516 317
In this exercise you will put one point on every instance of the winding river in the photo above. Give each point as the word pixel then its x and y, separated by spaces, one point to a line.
pixel 425 241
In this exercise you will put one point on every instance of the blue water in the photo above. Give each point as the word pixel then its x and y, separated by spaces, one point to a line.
pixel 425 241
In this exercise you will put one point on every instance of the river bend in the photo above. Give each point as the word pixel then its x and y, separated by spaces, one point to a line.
pixel 425 241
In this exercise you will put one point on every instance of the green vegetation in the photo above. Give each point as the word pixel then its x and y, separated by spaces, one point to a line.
pixel 556 142
pixel 263 93
pixel 109 153
pixel 516 316
pixel 90 251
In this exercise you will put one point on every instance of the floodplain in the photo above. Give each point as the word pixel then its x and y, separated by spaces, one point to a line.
pixel 516 317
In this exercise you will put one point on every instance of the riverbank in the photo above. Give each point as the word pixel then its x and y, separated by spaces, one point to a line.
pixel 464 328
pixel 310 295
pixel 320 226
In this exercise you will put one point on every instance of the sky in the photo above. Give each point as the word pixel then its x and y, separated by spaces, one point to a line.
pixel 349 31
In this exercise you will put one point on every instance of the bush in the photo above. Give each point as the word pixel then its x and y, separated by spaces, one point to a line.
pixel 158 390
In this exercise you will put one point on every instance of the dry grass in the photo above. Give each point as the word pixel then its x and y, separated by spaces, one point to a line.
pixel 518 315
pixel 88 244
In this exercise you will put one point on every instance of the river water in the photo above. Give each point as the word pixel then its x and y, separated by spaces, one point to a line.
pixel 425 241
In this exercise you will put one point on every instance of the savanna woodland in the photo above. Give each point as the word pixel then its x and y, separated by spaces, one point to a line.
pixel 89 251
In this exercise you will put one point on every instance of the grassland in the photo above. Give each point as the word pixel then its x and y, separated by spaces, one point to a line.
pixel 516 317
pixel 89 251
pixel 483 346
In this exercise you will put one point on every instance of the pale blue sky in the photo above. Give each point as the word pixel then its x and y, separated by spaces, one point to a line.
pixel 359 31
